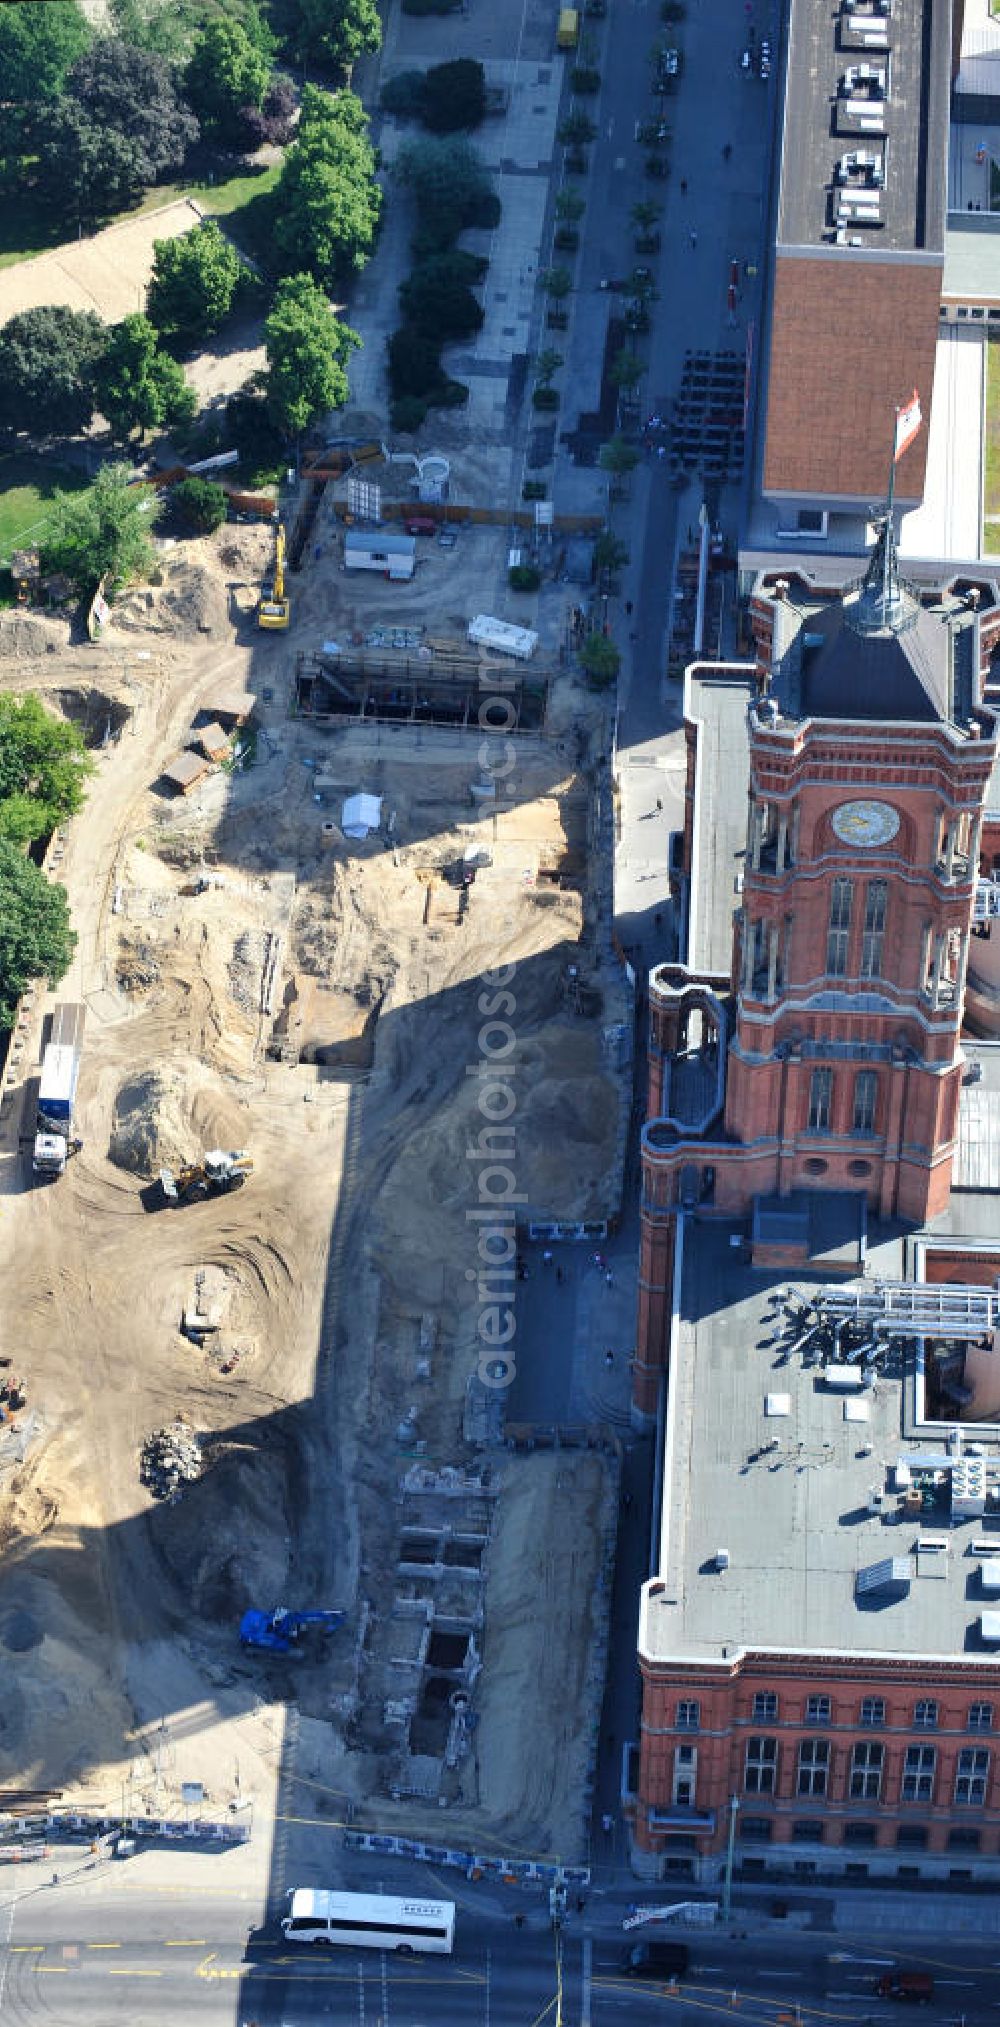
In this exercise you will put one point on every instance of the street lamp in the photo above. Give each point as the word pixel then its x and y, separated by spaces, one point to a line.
pixel 727 1884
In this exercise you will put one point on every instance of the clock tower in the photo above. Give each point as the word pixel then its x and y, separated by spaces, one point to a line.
pixel 868 757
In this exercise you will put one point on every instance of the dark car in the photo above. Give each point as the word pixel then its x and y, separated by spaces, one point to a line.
pixel 655 1960
pixel 915 1986
pixel 420 524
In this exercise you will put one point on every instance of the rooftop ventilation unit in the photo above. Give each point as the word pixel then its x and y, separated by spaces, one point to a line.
pixel 968 1488
pixel 881 1581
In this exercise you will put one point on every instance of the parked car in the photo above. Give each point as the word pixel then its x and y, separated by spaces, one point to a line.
pixel 420 524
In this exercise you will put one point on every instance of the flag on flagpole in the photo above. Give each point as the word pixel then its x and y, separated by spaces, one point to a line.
pixel 908 421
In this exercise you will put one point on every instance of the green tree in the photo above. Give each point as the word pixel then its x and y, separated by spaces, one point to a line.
pixel 227 74
pixel 575 129
pixel 84 170
pixel 451 185
pixel 252 430
pixel 48 358
pixel 172 31
pixel 454 96
pixel 609 554
pixel 436 298
pixel 600 658
pixel 133 93
pixel 414 364
pixel 547 364
pixel 570 203
pixel 618 457
pixel 36 940
pixel 327 202
pixel 37 47
pixel 139 387
pixel 557 282
pixel 307 352
pixel 44 766
pixel 102 533
pixel 403 95
pixel 118 128
pixel 199 506
pixel 626 371
pixel 337 32
pixel 195 282
pixel 646 215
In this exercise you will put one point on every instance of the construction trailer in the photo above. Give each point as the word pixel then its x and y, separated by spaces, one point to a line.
pixel 375 549
pixel 57 1091
pixel 501 637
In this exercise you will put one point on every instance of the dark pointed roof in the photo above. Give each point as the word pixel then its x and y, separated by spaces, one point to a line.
pixel 878 654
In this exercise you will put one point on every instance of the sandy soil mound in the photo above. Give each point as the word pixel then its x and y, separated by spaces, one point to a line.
pixel 166 1117
pixel 223 1540
pixel 189 601
pixel 21 636
pixel 564 1095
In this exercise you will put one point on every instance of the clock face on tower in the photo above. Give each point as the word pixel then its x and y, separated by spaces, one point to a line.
pixel 865 823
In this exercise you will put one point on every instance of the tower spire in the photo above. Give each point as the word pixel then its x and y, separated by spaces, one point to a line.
pixel 882 603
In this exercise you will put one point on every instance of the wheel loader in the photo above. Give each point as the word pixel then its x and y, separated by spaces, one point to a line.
pixel 214 1175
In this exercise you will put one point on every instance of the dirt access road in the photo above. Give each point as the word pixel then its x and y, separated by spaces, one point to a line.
pixel 338 1278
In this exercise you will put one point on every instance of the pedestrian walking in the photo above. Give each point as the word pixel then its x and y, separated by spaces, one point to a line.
pixel 684 187
pixel 726 152
pixel 609 1279
pixel 627 1502
pixel 547 1257
pixel 560 1276
pixel 659 803
pixel 694 238
pixel 607 1824
pixel 609 1359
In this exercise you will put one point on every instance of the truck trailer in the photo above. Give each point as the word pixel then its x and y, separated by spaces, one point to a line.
pixel 57 1091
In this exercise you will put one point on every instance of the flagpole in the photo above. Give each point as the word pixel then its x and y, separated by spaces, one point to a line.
pixel 890 502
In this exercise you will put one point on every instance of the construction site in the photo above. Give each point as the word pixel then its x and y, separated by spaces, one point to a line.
pixel 242 1304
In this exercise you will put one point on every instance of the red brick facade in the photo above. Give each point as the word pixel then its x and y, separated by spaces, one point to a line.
pixel 862 1762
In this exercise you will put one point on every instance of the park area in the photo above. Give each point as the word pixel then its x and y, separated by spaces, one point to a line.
pixel 28 485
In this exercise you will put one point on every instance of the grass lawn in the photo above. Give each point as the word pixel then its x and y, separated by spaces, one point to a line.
pixel 27 227
pixel 26 484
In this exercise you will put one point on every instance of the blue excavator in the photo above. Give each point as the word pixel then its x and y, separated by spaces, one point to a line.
pixel 280 1631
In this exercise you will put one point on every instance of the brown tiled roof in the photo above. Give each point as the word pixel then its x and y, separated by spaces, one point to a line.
pixel 850 339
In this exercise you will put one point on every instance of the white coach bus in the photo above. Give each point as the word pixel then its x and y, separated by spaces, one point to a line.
pixel 372 1921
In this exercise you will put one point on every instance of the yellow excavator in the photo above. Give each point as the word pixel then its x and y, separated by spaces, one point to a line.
pixel 273 607
pixel 215 1174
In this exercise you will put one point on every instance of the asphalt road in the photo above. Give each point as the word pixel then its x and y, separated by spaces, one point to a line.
pixel 105 1952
